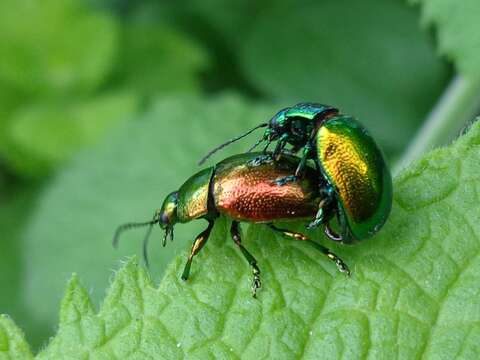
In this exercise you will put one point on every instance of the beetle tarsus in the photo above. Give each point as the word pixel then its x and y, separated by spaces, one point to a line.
pixel 342 267
pixel 285 180
pixel 256 284
pixel 332 235
pixel 235 232
pixel 320 215
pixel 260 160
pixel 186 270
pixel 314 224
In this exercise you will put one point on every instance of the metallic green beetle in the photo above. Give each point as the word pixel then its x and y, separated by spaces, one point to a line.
pixel 352 171
pixel 243 188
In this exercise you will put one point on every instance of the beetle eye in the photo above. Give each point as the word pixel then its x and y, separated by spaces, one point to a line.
pixel 164 219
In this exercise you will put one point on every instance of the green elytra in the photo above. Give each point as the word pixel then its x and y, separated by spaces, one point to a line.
pixel 359 186
pixel 233 188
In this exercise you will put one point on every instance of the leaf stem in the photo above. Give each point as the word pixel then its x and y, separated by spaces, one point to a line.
pixel 456 107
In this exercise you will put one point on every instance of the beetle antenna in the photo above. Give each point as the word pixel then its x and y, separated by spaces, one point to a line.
pixel 129 226
pixel 230 142
pixel 145 245
pixel 255 145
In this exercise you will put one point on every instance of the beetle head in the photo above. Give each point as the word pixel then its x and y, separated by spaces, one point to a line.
pixel 167 216
pixel 277 126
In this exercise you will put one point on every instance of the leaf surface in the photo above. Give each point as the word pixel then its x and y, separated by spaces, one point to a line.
pixel 12 341
pixel 414 290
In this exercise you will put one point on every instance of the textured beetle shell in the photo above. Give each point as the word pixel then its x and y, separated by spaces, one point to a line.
pixel 247 192
pixel 354 165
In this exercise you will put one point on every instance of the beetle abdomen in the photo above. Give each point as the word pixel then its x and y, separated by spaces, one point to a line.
pixel 248 192
pixel 353 164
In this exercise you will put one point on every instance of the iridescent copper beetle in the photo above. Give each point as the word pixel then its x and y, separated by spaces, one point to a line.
pixel 244 188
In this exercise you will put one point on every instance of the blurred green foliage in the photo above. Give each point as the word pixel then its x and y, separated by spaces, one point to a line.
pixel 457 28
pixel 138 89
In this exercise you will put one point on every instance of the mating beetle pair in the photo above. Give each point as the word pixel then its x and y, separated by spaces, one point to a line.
pixel 349 181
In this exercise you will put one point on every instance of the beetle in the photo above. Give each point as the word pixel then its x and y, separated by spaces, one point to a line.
pixel 242 187
pixel 353 175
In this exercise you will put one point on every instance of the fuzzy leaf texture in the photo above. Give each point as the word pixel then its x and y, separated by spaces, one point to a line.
pixel 12 341
pixel 413 293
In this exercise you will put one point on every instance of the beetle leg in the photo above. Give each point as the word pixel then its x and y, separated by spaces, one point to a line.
pixel 306 153
pixel 199 242
pixel 260 160
pixel 300 168
pixel 342 267
pixel 235 232
pixel 307 149
pixel 321 216
pixel 282 142
pixel 332 235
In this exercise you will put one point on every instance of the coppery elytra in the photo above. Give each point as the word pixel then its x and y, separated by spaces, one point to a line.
pixel 352 172
pixel 244 188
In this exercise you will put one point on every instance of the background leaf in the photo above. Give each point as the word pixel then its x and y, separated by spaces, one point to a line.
pixel 337 52
pixel 156 58
pixel 457 31
pixel 43 135
pixel 39 46
pixel 457 28
pixel 383 68
pixel 15 212
pixel 413 291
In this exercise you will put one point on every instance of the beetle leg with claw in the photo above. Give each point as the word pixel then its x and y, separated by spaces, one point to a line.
pixel 342 267
pixel 235 232
pixel 198 244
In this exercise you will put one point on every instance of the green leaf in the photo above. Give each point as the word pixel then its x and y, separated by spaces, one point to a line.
pixel 12 341
pixel 123 179
pixel 382 69
pixel 413 293
pixel 457 28
pixel 42 135
pixel 158 59
pixel 15 211
pixel 16 208
pixel 54 47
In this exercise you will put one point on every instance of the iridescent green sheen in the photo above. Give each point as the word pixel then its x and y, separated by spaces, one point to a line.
pixel 353 164
pixel 169 209
pixel 193 196
pixel 307 110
